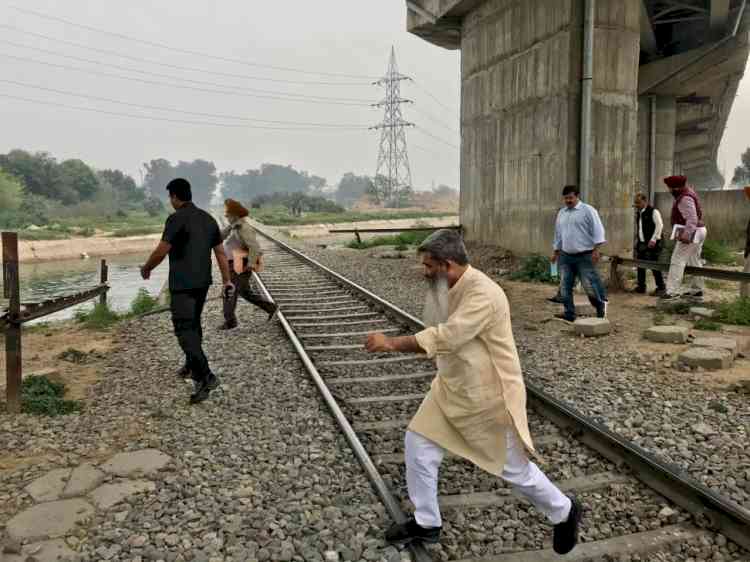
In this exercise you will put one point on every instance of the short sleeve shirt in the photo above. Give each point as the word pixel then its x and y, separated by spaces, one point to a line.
pixel 192 233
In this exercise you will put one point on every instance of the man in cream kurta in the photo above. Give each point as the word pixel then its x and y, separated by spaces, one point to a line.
pixel 476 406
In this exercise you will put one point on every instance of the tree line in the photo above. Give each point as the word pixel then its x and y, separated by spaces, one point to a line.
pixel 36 186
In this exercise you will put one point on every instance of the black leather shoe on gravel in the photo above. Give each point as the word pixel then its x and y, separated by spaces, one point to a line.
pixel 410 531
pixel 201 392
pixel 213 382
pixel 184 373
pixel 566 533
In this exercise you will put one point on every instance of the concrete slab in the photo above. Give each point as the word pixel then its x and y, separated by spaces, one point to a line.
pixel 144 461
pixel 722 343
pixel 711 358
pixel 591 327
pixel 45 551
pixel 702 312
pixel 82 480
pixel 108 495
pixel 667 334
pixel 49 520
pixel 50 486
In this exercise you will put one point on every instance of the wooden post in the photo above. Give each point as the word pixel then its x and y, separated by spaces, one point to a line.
pixel 103 280
pixel 616 281
pixel 13 331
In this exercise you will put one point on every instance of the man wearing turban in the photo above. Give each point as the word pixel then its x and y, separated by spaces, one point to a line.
pixel 689 231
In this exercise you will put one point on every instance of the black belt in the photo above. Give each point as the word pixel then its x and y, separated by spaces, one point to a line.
pixel 578 254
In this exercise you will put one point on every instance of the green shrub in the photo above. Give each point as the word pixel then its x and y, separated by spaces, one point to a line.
pixel 718 252
pixel 143 303
pixel 42 397
pixel 97 318
pixel 707 325
pixel 402 240
pixel 536 269
pixel 734 312
pixel 675 307
pixel 136 231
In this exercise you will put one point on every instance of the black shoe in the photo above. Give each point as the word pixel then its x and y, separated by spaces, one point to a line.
pixel 640 290
pixel 202 391
pixel 557 299
pixel 184 373
pixel 228 326
pixel 563 317
pixel 409 531
pixel 668 297
pixel 696 294
pixel 273 311
pixel 213 382
pixel 565 535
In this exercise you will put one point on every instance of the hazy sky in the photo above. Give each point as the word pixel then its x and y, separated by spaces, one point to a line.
pixel 329 40
pixel 344 42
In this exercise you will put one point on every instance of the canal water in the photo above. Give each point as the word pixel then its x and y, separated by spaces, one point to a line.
pixel 54 279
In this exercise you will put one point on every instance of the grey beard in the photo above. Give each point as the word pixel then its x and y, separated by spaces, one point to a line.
pixel 436 303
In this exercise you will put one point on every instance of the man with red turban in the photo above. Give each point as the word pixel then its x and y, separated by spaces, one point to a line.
pixel 689 231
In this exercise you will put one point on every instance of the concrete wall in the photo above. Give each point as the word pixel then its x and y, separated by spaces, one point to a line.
pixel 726 212
pixel 521 66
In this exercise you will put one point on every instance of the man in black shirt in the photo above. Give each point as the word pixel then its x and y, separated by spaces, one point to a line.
pixel 189 236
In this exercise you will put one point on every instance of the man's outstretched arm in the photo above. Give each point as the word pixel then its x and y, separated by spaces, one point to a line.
pixel 380 342
pixel 156 257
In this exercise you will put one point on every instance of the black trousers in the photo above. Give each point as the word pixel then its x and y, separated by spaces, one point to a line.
pixel 643 252
pixel 243 288
pixel 187 308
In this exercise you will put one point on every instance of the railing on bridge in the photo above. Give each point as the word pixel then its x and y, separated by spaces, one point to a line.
pixel 358 231
pixel 616 281
pixel 18 313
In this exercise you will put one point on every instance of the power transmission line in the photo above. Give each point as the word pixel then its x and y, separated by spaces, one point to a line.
pixel 190 80
pixel 437 138
pixel 180 86
pixel 393 156
pixel 182 50
pixel 167 119
pixel 163 108
pixel 177 66
pixel 435 119
pixel 429 93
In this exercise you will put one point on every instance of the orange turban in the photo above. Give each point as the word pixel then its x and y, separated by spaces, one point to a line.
pixel 675 181
pixel 236 209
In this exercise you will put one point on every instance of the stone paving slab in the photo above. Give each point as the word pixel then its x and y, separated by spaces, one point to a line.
pixel 591 327
pixel 108 495
pixel 84 478
pixel 45 551
pixel 702 312
pixel 721 343
pixel 667 334
pixel 710 358
pixel 49 520
pixel 50 486
pixel 144 461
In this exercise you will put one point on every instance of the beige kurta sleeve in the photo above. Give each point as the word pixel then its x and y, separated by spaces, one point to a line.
pixel 250 240
pixel 476 312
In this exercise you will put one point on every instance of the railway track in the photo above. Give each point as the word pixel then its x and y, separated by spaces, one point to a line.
pixel 636 507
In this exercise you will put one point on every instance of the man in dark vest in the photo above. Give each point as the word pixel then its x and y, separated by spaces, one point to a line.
pixel 689 232
pixel 650 226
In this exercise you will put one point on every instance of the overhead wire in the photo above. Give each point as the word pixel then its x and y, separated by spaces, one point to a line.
pixel 180 67
pixel 435 137
pixel 181 86
pixel 180 78
pixel 183 50
pixel 173 110
pixel 168 119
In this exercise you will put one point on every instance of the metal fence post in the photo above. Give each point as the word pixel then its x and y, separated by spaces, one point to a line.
pixel 103 280
pixel 11 283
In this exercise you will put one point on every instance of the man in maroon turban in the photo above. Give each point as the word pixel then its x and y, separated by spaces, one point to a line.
pixel 689 232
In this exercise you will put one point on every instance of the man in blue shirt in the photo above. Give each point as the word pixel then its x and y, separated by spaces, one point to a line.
pixel 578 234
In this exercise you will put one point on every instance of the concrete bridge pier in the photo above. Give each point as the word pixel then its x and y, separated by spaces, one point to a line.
pixel 664 76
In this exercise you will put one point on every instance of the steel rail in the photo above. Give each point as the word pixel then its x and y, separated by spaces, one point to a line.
pixel 723 515
pixel 376 480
